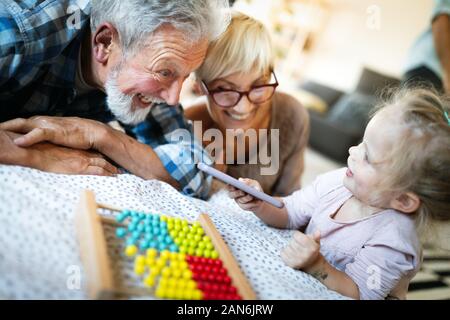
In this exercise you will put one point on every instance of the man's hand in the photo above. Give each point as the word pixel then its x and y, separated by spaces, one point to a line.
pixel 52 158
pixel 303 252
pixel 70 132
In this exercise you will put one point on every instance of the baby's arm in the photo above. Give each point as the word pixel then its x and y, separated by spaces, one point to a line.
pixel 303 253
pixel 271 215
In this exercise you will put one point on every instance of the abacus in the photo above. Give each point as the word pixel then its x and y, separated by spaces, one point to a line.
pixel 174 258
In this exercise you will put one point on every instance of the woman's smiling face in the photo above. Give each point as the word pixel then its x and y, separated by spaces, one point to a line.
pixel 245 114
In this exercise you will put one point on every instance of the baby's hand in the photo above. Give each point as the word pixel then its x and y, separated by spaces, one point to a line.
pixel 243 199
pixel 303 252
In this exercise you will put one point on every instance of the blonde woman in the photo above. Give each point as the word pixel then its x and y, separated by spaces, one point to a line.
pixel 238 80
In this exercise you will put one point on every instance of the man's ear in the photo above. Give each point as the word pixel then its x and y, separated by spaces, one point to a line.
pixel 103 42
pixel 407 202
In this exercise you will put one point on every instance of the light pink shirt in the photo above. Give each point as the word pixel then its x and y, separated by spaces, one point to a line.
pixel 381 253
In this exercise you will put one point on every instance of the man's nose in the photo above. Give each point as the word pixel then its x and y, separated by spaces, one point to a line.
pixel 171 95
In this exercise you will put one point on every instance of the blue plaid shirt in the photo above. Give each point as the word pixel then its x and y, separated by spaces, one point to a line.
pixel 40 42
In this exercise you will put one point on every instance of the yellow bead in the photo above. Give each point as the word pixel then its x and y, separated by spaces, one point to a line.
pixel 179 294
pixel 161 263
pixel 170 293
pixel 149 281
pixel 155 271
pixel 181 284
pixel 151 253
pixel 176 273
pixel 174 256
pixel 172 282
pixel 131 250
pixel 166 272
pixel 150 261
pixel 209 246
pixel 185 229
pixel 214 254
pixel 174 264
pixel 202 245
pixel 164 218
pixel 165 254
pixel 191 284
pixel 184 223
pixel 196 225
pixel 183 265
pixel 187 274
pixel 183 249
pixel 191 251
pixel 187 294
pixel 140 260
pixel 206 239
pixel 163 282
pixel 181 257
pixel 207 253
pixel 200 231
pixel 197 295
pixel 161 293
pixel 139 269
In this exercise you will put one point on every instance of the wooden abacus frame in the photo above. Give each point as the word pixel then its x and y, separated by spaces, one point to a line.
pixel 95 259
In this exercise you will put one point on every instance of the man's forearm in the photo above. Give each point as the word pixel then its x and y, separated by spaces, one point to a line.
pixel 134 156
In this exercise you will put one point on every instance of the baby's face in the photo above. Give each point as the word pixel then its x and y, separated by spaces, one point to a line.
pixel 365 163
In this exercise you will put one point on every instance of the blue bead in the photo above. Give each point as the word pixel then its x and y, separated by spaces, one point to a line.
pixel 140 227
pixel 163 224
pixel 136 234
pixel 161 247
pixel 144 245
pixel 142 216
pixel 168 240
pixel 173 248
pixel 134 214
pixel 121 232
pixel 132 227
pixel 153 244
pixel 161 239
pixel 156 217
pixel 120 217
pixel 130 241
pixel 156 230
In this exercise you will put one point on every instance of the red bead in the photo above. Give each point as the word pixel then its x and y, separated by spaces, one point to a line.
pixel 212 278
pixel 232 290
pixel 221 296
pixel 227 279
pixel 215 287
pixel 207 268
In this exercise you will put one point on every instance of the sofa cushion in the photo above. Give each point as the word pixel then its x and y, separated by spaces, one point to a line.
pixel 352 111
pixel 327 94
pixel 372 82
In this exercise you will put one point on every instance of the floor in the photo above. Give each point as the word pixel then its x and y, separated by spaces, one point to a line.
pixel 433 281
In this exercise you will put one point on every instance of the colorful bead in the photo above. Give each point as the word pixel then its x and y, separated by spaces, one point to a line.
pixel 131 250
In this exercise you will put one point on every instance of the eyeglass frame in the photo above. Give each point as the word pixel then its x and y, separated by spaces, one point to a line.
pixel 241 93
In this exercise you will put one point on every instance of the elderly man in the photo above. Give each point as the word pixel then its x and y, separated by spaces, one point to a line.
pixel 68 68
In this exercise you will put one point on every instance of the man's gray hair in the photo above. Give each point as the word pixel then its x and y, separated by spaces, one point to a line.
pixel 135 20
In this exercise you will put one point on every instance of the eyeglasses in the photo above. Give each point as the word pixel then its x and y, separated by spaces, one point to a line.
pixel 230 98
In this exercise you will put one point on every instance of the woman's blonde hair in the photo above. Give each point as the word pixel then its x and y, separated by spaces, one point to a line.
pixel 244 46
pixel 420 162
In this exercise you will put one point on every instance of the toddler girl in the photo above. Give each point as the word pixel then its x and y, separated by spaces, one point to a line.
pixel 360 223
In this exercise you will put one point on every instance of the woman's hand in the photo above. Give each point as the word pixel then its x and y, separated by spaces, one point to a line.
pixel 70 132
pixel 243 199
pixel 303 252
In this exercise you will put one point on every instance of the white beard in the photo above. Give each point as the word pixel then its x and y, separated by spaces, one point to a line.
pixel 121 105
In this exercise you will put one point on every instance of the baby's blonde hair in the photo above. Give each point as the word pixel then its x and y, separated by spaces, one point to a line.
pixel 420 162
pixel 244 47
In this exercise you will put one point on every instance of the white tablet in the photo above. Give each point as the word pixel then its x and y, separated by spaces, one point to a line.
pixel 240 185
